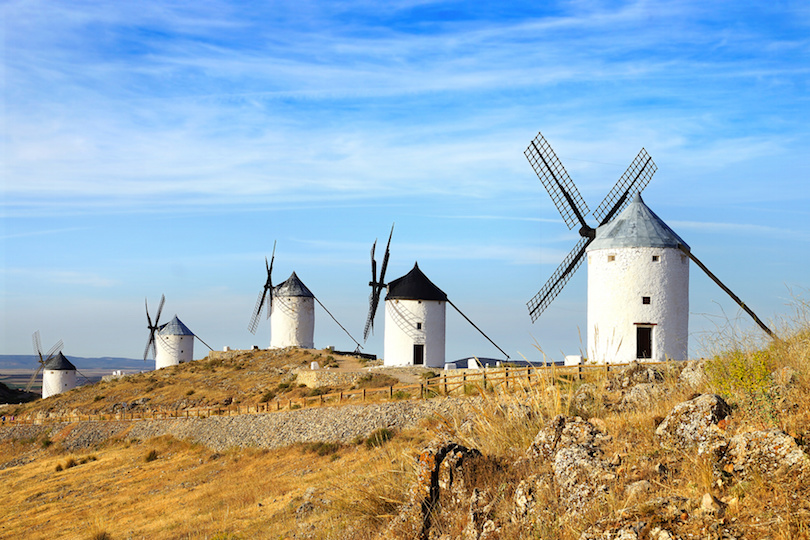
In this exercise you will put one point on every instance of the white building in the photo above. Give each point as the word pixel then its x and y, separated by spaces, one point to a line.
pixel 638 290
pixel 415 311
pixel 292 317
pixel 174 343
pixel 58 376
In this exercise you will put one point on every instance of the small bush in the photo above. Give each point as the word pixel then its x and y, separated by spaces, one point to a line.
pixel 101 535
pixel 190 392
pixel 379 437
pixel 318 391
pixel 70 463
pixel 98 398
pixel 283 385
pixel 294 406
pixel 59 467
pixel 151 456
pixel 323 448
pixel 401 394
pixel 267 396
pixel 46 442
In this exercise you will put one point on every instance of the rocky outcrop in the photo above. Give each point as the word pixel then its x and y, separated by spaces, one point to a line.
pixel 438 467
pixel 695 424
pixel 764 453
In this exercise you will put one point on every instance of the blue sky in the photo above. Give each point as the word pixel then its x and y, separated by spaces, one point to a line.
pixel 161 147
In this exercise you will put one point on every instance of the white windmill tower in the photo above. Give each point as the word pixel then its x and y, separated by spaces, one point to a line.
pixel 291 309
pixel 170 344
pixel 58 373
pixel 638 282
pixel 415 316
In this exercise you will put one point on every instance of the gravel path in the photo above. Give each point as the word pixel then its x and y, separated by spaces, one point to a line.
pixel 271 430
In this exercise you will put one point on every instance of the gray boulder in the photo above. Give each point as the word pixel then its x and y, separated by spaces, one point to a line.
pixel 695 424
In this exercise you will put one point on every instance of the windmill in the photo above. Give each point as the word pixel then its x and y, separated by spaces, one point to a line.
pixel 42 360
pixel 291 310
pixel 171 343
pixel 646 291
pixel 415 310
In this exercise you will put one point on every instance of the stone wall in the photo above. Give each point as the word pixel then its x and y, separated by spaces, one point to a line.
pixel 325 377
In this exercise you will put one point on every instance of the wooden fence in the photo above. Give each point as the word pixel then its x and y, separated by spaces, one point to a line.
pixel 468 382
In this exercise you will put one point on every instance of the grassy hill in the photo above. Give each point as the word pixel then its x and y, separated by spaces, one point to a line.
pixel 174 489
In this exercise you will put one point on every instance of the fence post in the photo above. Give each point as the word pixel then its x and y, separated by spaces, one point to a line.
pixel 390 392
pixel 444 379
pixel 506 377
pixel 364 394
pixel 579 372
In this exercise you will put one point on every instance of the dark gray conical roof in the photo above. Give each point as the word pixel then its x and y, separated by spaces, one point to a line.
pixel 175 327
pixel 292 287
pixel 414 286
pixel 636 226
pixel 60 363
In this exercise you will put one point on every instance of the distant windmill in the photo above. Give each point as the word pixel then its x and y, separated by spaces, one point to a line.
pixel 169 344
pixel 638 281
pixel 58 374
pixel 291 310
pixel 415 313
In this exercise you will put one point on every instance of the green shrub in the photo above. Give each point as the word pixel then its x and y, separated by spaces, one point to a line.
pixel 267 396
pixel 190 392
pixel 379 437
pixel 401 394
pixel 70 463
pixel 98 398
pixel 151 456
pixel 745 378
pixel 283 385
pixel 46 442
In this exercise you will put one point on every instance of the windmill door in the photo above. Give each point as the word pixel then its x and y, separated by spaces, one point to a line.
pixel 644 341
pixel 418 355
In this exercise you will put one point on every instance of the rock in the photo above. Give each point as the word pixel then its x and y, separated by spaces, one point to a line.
pixel 305 508
pixel 414 519
pixel 637 490
pixel 480 525
pixel 657 533
pixel 572 444
pixel 642 396
pixel 635 373
pixel 526 496
pixel 766 453
pixel 710 505
pixel 564 431
pixel 693 425
pixel 585 397
pixel 693 374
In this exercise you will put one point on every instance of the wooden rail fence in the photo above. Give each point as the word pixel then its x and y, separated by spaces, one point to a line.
pixel 468 382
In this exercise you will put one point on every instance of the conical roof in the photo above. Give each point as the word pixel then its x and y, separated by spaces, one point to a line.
pixel 636 226
pixel 175 327
pixel 414 286
pixel 293 287
pixel 60 363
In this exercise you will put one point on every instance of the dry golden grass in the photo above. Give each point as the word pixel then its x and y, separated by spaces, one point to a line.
pixel 190 492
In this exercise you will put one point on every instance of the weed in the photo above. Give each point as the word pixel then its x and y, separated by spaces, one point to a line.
pixel 379 437
pixel 323 448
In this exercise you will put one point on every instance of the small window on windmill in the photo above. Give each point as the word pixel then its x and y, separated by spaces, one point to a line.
pixel 655 258
pixel 645 299
pixel 611 258
pixel 418 326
